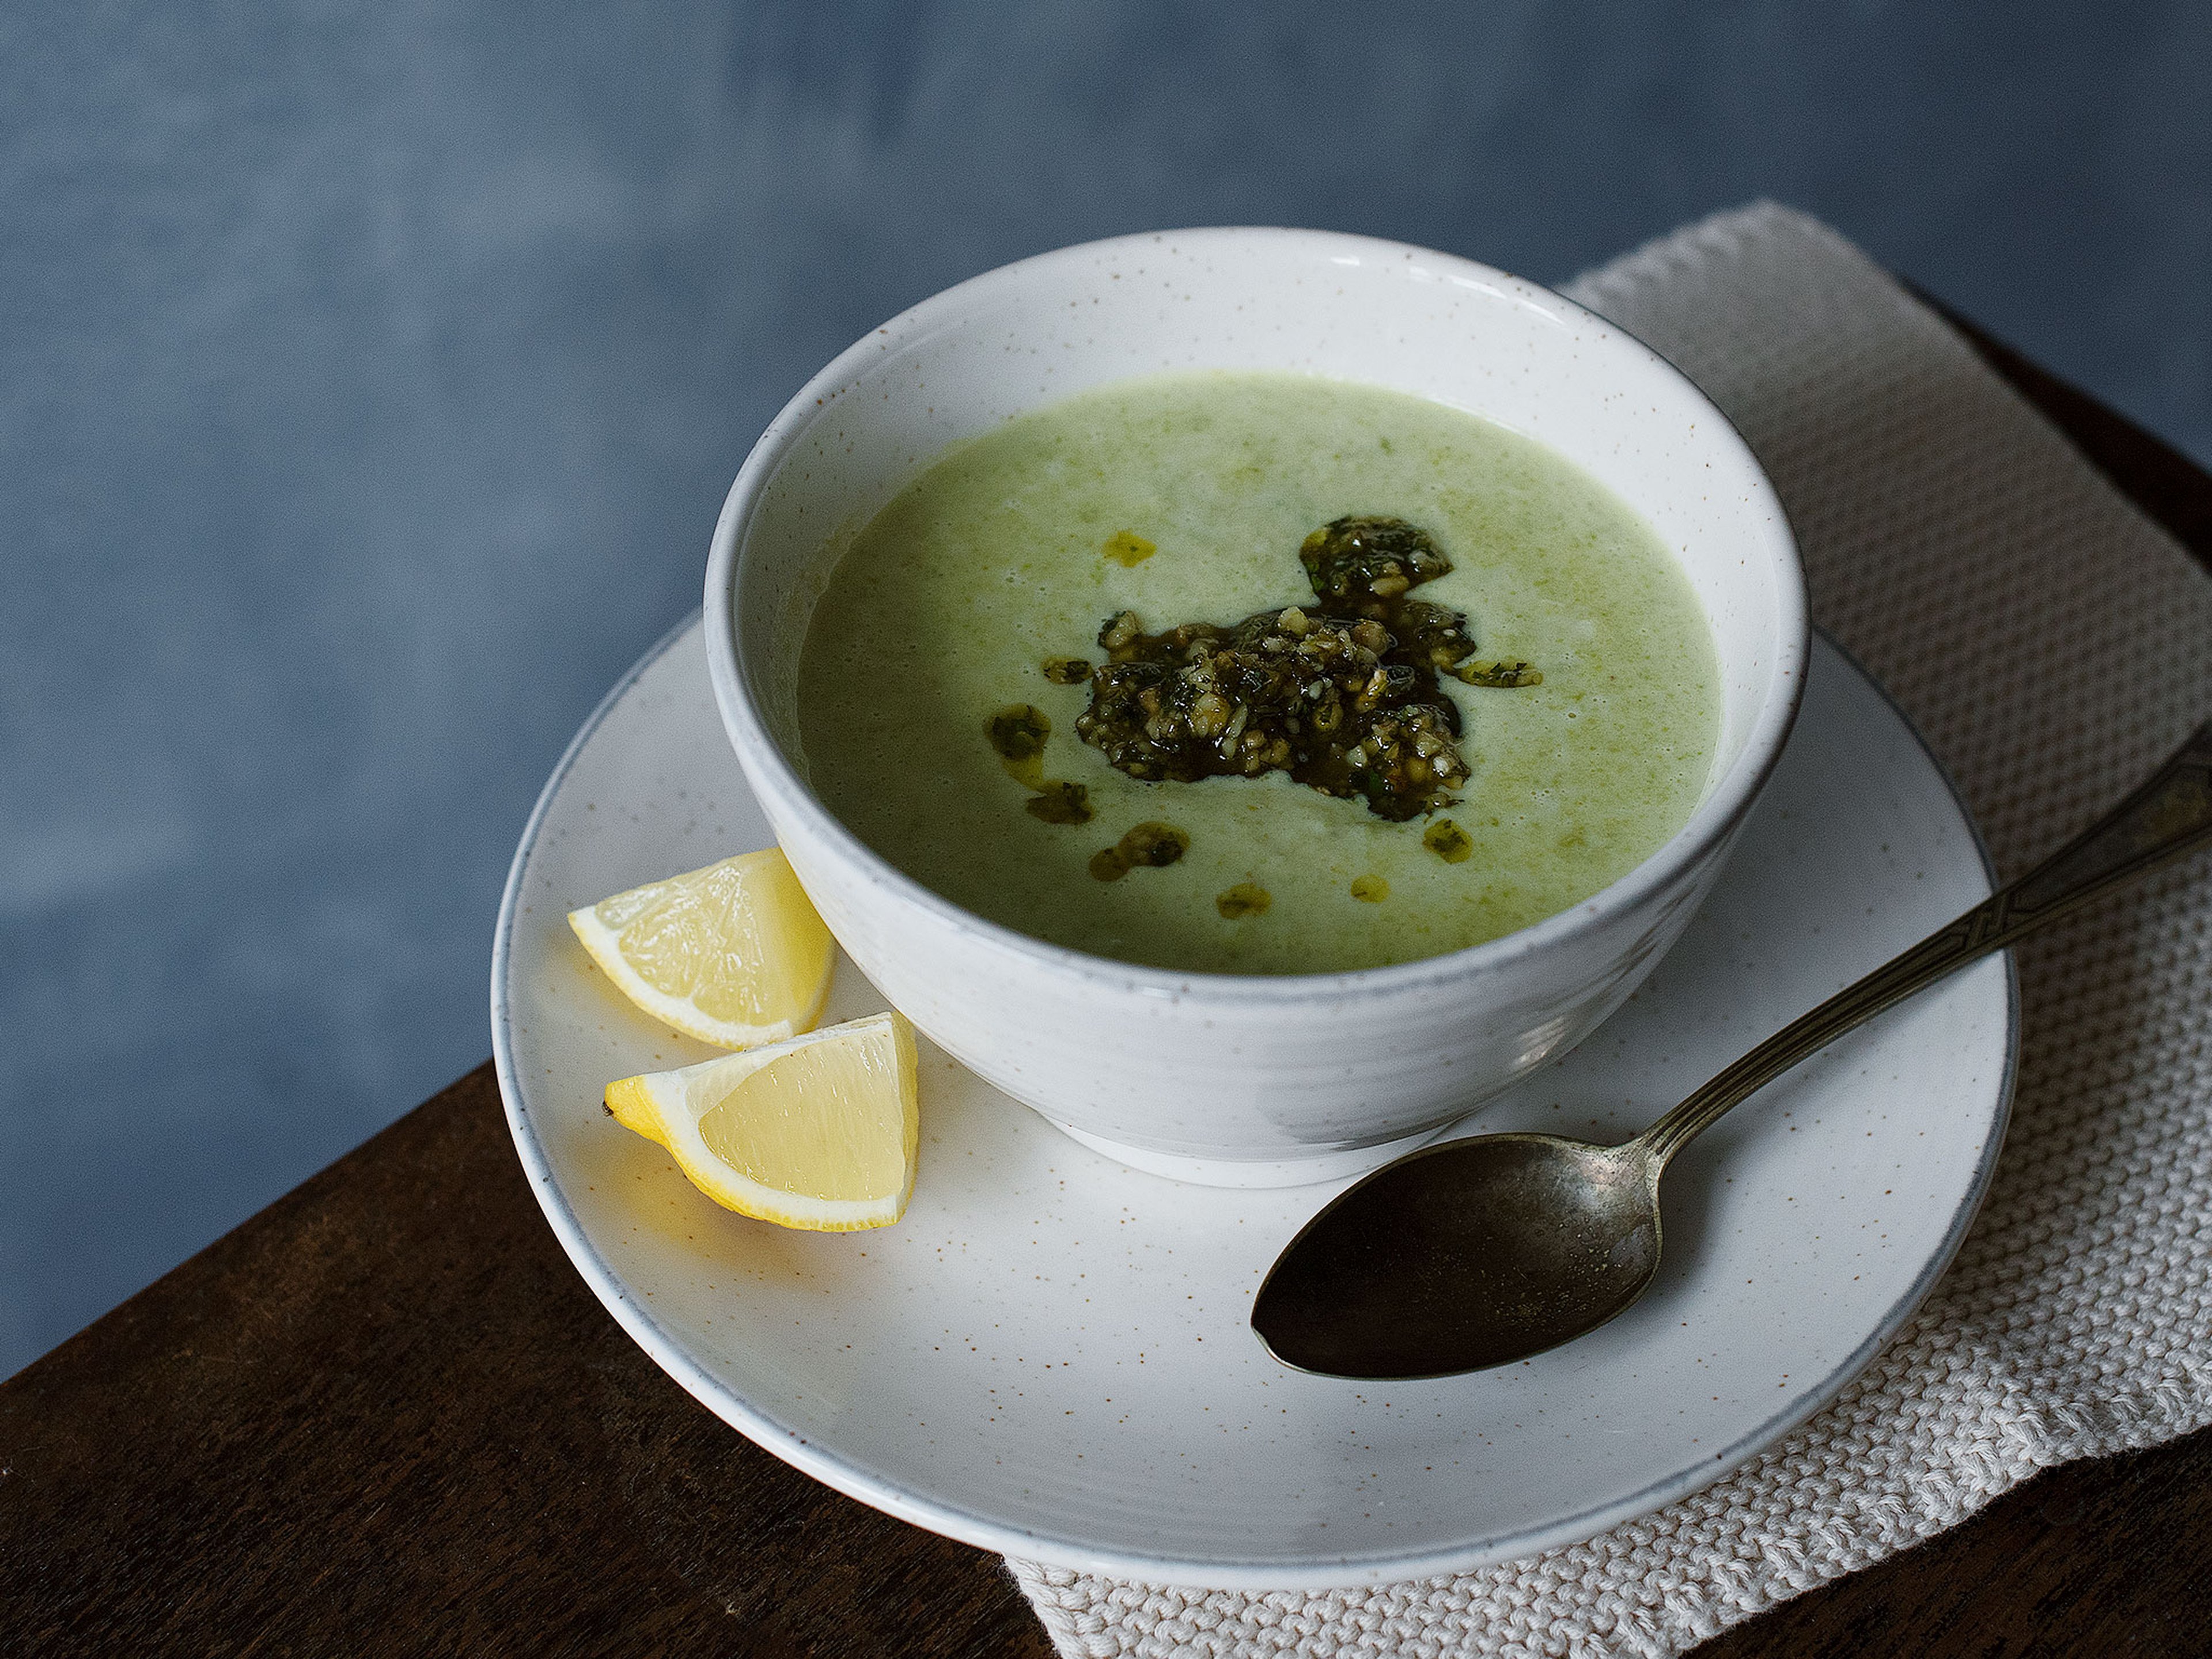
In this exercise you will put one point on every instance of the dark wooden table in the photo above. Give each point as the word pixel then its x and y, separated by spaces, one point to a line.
pixel 386 1417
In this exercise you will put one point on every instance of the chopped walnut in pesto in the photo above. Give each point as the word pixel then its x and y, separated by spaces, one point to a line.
pixel 1342 695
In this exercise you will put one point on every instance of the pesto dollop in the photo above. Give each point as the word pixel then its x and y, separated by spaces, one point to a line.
pixel 1342 693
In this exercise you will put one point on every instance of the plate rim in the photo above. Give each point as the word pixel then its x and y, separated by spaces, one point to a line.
pixel 1234 1573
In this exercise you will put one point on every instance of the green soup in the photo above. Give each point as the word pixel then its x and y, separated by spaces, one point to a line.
pixel 1012 550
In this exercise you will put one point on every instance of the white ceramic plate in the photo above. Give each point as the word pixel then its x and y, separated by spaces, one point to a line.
pixel 1050 1356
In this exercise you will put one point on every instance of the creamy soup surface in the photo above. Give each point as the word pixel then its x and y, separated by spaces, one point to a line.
pixel 1187 498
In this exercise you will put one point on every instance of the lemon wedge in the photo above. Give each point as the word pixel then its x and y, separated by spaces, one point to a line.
pixel 733 954
pixel 818 1132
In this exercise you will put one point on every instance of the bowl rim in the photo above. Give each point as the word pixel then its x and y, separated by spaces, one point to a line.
pixel 1715 819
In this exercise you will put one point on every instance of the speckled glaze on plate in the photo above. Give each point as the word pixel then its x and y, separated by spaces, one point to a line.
pixel 1049 1356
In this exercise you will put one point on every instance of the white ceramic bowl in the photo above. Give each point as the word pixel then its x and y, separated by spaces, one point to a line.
pixel 1249 1080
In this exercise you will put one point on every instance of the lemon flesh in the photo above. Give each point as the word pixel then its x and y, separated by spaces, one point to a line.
pixel 818 1132
pixel 733 954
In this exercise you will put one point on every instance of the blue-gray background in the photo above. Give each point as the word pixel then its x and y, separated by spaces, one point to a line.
pixel 370 376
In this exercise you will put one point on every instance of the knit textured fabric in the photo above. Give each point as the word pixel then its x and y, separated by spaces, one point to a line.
pixel 2052 645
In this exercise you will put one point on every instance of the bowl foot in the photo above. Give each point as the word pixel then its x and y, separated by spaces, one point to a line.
pixel 1305 1169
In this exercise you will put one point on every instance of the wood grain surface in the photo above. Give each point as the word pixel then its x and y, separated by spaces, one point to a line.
pixel 386 1417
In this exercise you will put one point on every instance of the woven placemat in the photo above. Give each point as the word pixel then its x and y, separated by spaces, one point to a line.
pixel 2052 645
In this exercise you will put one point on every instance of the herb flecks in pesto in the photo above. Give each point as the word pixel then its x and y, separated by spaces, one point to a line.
pixel 1246 898
pixel 1067 671
pixel 1018 731
pixel 1342 695
pixel 1448 842
pixel 1127 548
pixel 1367 565
pixel 1148 846
pixel 1499 676
pixel 1060 803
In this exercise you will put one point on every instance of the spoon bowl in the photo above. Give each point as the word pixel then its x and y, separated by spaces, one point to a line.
pixel 1463 1256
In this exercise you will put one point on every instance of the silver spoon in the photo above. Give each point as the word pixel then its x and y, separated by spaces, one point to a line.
pixel 1480 1252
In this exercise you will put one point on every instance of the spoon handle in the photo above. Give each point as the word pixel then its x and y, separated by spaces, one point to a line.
pixel 2166 818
